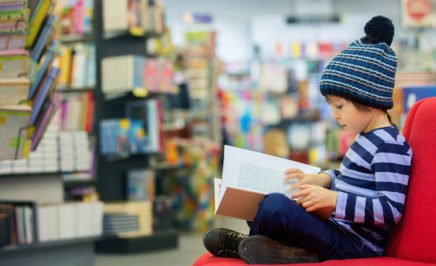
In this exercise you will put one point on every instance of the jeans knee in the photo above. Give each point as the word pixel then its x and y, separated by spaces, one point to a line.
pixel 274 205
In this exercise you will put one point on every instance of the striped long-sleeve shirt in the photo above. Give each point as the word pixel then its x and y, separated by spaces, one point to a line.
pixel 372 185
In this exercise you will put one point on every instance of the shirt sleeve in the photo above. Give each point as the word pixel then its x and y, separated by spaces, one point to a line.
pixel 333 174
pixel 391 166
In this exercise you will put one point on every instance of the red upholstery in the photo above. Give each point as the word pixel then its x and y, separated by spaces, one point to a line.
pixel 209 260
pixel 414 239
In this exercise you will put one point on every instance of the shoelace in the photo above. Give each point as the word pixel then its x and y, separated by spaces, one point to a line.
pixel 231 245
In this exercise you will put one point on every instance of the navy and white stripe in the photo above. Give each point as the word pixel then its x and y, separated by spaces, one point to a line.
pixel 372 185
pixel 364 73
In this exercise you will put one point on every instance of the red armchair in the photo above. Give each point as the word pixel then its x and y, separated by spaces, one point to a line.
pixel 413 241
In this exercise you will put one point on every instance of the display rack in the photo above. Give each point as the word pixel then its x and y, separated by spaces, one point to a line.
pixel 111 170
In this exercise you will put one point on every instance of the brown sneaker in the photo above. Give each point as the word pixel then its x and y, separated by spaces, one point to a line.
pixel 223 242
pixel 260 249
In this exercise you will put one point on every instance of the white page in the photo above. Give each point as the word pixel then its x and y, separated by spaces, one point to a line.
pixel 258 171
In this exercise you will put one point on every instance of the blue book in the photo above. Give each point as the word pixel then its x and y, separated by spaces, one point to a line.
pixel 42 123
pixel 49 56
pixel 43 92
pixel 43 37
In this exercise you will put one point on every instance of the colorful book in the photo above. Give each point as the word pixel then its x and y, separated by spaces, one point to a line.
pixel 140 185
pixel 42 123
pixel 38 14
pixel 12 41
pixel 150 113
pixel 13 91
pixel 14 17
pixel 44 91
pixel 14 64
pixel 46 61
pixel 123 73
pixel 43 38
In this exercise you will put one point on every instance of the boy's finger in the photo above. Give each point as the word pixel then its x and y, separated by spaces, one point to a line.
pixel 290 177
pixel 292 170
pixel 300 194
pixel 296 185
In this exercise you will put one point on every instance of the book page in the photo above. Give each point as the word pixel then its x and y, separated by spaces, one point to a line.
pixel 261 179
pixel 257 171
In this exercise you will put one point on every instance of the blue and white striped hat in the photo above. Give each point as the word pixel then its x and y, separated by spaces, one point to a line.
pixel 364 73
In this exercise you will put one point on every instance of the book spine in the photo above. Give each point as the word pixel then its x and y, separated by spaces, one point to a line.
pixel 43 124
pixel 43 38
pixel 36 20
pixel 43 69
pixel 44 91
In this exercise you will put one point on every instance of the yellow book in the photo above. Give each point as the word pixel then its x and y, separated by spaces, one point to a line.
pixel 65 64
pixel 36 21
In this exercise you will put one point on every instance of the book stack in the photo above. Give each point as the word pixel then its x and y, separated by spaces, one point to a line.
pixel 57 152
pixel 27 77
pixel 75 154
pixel 129 219
pixel 77 64
pixel 131 72
pixel 77 111
pixel 23 222
pixel 17 223
pixel 116 223
pixel 69 220
pixel 135 16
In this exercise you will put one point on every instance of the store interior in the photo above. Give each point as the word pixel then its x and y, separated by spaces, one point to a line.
pixel 114 114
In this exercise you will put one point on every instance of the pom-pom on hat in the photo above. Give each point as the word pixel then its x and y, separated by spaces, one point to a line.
pixel 365 71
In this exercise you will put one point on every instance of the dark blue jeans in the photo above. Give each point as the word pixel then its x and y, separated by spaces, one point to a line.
pixel 280 218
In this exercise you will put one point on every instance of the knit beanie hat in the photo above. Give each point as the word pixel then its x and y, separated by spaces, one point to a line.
pixel 365 71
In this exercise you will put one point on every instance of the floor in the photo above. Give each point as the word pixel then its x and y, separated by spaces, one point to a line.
pixel 190 248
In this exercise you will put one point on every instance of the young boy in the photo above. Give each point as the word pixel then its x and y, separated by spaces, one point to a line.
pixel 364 198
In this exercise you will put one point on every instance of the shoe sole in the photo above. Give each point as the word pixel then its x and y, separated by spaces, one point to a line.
pixel 260 249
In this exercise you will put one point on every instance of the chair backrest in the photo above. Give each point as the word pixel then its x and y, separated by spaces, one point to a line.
pixel 414 237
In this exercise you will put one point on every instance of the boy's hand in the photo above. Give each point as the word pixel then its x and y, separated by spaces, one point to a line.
pixel 313 198
pixel 322 179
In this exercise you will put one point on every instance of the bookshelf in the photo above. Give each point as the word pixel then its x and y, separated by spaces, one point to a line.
pixel 39 179
pixel 112 169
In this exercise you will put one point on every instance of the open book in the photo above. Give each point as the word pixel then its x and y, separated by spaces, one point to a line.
pixel 247 177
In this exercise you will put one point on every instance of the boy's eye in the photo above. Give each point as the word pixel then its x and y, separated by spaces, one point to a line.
pixel 339 107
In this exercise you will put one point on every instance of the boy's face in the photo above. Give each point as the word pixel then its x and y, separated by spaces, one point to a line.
pixel 348 116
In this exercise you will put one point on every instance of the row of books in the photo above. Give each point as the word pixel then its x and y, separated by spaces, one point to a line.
pixel 130 72
pixel 77 64
pixel 128 219
pixel 57 152
pixel 76 112
pixel 136 16
pixel 24 222
pixel 27 78
pixel 139 133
